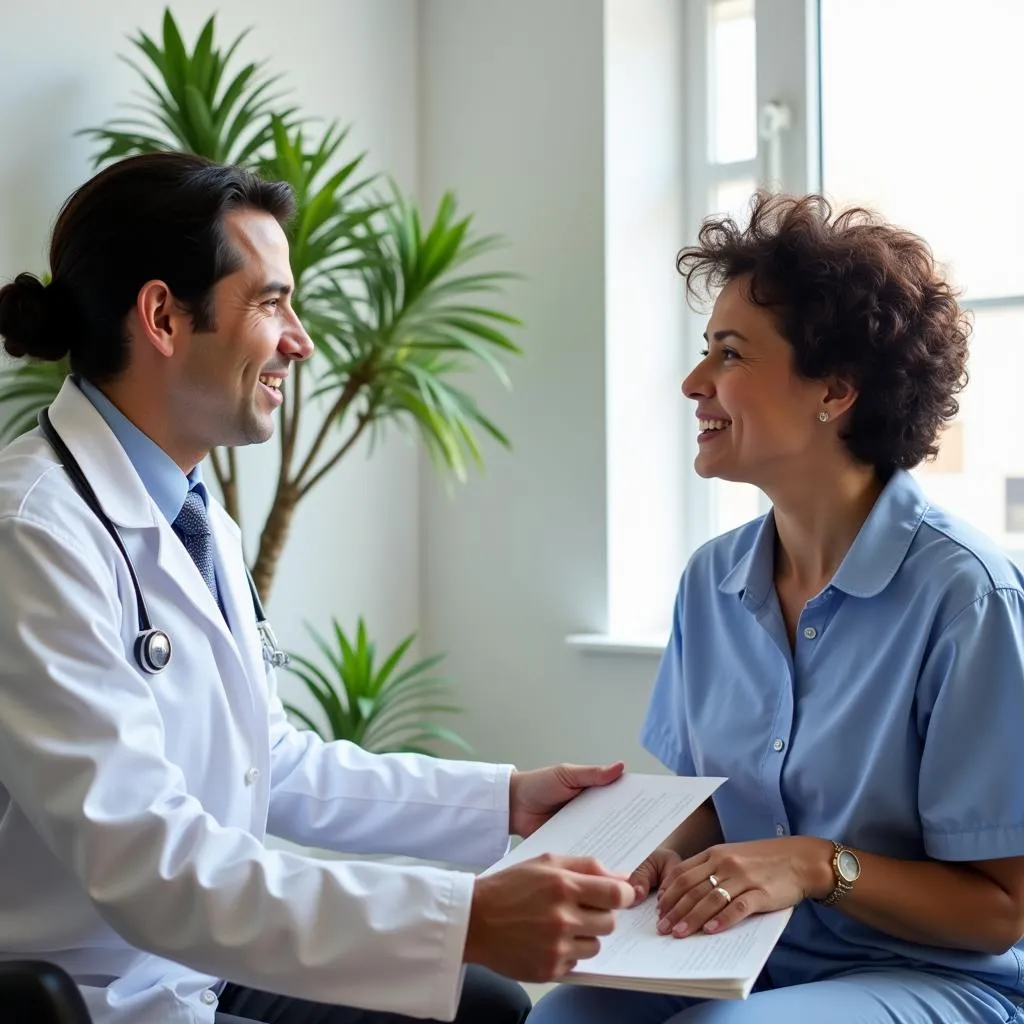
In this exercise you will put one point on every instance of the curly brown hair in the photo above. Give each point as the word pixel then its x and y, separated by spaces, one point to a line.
pixel 858 299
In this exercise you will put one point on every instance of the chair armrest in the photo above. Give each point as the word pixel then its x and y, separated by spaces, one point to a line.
pixel 40 992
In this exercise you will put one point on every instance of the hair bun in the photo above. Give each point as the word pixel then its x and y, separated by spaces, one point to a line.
pixel 34 319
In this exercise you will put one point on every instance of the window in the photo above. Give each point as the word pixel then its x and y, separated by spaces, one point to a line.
pixel 934 145
pixel 731 175
pixel 749 100
pixel 787 93
pixel 687 132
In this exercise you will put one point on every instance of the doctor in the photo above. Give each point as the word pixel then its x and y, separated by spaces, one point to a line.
pixel 135 796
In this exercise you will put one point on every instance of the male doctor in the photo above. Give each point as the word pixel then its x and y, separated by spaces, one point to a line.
pixel 134 803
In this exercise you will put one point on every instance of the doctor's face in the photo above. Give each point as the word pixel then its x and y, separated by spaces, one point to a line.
pixel 230 377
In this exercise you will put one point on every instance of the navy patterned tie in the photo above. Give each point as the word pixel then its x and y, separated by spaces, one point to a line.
pixel 193 527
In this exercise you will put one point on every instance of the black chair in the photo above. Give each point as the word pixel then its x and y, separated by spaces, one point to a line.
pixel 36 992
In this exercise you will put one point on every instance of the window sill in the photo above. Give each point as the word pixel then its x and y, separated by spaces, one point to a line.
pixel 617 643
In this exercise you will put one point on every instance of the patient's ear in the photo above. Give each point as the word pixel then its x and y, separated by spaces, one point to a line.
pixel 840 396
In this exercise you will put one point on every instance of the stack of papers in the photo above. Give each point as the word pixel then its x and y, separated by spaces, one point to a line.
pixel 620 825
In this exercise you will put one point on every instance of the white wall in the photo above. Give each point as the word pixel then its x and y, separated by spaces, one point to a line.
pixel 511 109
pixel 353 544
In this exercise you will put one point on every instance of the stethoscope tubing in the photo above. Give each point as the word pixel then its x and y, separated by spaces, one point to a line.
pixel 152 645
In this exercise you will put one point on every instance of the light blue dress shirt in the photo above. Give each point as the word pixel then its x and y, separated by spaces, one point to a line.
pixel 163 479
pixel 896 724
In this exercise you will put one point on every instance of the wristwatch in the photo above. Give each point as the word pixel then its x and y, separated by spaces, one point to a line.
pixel 846 868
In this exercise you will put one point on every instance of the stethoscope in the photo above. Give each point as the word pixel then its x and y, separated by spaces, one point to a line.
pixel 152 646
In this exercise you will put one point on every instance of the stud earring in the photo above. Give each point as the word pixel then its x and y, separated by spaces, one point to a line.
pixel 823 416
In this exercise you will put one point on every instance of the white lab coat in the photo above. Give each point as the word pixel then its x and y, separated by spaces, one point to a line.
pixel 133 808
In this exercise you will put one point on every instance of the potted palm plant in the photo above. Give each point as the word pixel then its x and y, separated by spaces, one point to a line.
pixel 394 302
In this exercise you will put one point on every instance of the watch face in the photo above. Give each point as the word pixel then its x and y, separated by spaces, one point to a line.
pixel 848 866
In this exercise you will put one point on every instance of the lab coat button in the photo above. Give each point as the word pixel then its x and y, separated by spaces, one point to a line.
pixel 209 997
pixel 251 776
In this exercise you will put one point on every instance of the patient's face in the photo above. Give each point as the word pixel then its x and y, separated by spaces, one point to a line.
pixel 758 419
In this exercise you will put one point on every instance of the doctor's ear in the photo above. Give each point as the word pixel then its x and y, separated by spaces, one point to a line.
pixel 161 319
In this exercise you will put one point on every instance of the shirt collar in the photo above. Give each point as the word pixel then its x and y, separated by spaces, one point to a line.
pixel 753 575
pixel 876 554
pixel 160 475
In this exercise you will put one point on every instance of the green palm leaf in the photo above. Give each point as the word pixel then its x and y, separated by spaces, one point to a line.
pixel 25 389
pixel 187 106
pixel 401 322
pixel 331 230
pixel 382 707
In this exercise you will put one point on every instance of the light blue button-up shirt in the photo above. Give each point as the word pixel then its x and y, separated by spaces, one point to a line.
pixel 163 479
pixel 895 723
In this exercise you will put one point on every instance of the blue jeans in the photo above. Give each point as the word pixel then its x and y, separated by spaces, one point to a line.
pixel 868 996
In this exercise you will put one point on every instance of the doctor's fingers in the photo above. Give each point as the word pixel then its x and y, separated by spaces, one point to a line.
pixel 599 893
pixel 557 961
pixel 582 922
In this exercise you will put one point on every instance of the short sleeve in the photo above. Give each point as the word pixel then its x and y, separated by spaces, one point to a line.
pixel 971 717
pixel 664 733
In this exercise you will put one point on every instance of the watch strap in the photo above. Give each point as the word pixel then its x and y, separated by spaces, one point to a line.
pixel 842 886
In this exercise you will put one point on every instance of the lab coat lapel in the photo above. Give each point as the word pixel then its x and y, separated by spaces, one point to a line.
pixel 234 591
pixel 123 497
pixel 121 493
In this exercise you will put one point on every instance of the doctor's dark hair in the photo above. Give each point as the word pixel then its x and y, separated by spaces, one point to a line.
pixel 153 217
pixel 858 299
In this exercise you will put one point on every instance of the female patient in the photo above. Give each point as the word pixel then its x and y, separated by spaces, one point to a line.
pixel 853 662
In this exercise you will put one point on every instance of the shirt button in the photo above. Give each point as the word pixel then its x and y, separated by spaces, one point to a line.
pixel 251 776
pixel 778 745
pixel 810 632
pixel 208 997
pixel 780 830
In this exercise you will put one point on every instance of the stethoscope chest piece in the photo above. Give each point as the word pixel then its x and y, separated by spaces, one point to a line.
pixel 153 650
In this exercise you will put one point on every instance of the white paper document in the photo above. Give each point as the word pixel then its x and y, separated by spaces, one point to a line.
pixel 725 965
pixel 620 825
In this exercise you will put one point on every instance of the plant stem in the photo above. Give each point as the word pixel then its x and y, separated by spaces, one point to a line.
pixel 345 399
pixel 292 431
pixel 232 502
pixel 227 481
pixel 361 424
pixel 275 532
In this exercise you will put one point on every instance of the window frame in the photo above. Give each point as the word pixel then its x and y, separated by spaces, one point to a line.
pixel 787 75
pixel 788 48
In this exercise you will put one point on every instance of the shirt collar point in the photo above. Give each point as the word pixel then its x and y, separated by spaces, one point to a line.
pixel 884 540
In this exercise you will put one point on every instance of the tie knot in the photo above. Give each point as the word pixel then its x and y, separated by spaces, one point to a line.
pixel 192 520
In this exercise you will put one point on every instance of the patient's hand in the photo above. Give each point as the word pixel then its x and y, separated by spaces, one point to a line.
pixel 655 873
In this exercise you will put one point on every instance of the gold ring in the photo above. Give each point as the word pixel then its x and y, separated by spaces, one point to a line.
pixel 713 880
pixel 722 892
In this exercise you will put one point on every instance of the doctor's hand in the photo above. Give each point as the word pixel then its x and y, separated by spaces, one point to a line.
pixel 535 796
pixel 535 920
